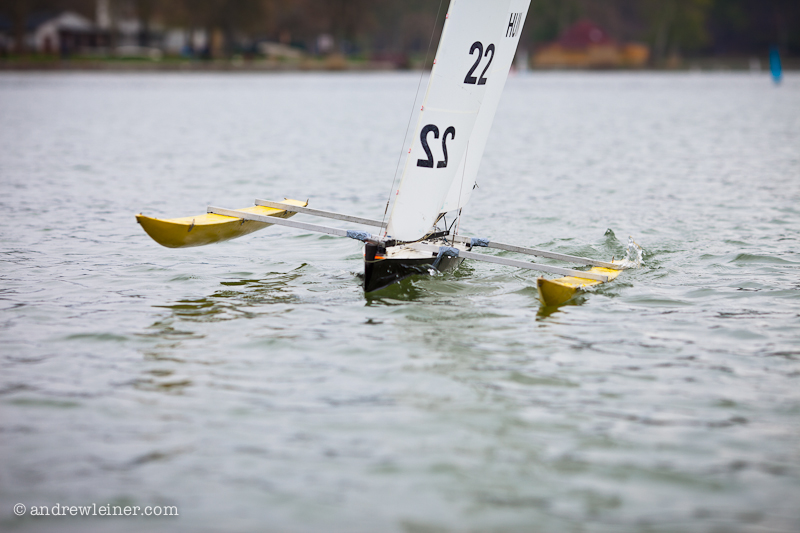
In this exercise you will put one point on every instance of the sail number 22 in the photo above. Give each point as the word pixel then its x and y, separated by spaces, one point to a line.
pixel 477 46
pixel 470 79
pixel 423 136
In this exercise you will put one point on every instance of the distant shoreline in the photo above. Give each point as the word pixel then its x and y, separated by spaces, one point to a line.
pixel 739 64
pixel 170 65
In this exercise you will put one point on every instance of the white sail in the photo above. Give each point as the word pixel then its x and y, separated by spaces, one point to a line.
pixel 462 74
pixel 465 178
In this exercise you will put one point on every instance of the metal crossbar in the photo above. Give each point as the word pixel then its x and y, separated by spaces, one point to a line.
pixel 282 222
pixel 417 246
pixel 513 262
pixel 458 238
pixel 544 253
pixel 320 213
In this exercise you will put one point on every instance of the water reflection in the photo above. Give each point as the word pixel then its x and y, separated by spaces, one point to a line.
pixel 179 329
pixel 180 326
pixel 546 311
pixel 274 288
pixel 407 290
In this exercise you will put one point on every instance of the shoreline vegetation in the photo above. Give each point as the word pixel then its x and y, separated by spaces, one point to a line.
pixel 341 63
pixel 371 35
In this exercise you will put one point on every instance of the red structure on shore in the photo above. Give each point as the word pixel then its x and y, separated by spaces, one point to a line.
pixel 586 45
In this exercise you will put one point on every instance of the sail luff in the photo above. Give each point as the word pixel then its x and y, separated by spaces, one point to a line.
pixel 418 127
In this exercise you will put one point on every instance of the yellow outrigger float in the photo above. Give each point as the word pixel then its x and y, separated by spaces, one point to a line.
pixel 553 292
pixel 209 228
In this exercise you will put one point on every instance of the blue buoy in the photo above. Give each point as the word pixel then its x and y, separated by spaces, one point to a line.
pixel 775 64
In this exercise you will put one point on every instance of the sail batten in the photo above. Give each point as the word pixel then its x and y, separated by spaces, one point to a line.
pixel 470 65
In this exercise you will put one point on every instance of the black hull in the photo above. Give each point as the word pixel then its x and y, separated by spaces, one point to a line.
pixel 380 273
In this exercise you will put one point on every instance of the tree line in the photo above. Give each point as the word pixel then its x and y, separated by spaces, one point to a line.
pixel 685 27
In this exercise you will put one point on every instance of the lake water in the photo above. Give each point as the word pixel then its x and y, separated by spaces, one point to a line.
pixel 255 387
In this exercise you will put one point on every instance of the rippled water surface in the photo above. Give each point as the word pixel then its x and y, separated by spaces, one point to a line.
pixel 255 387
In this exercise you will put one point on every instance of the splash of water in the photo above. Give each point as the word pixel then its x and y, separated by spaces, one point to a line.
pixel 633 255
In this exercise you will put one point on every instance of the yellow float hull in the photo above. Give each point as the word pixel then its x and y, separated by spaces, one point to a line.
pixel 209 228
pixel 558 291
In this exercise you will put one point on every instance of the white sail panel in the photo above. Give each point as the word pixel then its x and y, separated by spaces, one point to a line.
pixel 465 177
pixel 456 89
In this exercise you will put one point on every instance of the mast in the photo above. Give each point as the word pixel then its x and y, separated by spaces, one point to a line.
pixel 477 36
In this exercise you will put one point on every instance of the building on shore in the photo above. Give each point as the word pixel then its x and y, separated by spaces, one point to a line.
pixel 64 33
pixel 586 45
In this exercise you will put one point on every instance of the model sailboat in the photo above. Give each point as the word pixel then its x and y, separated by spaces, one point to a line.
pixel 477 47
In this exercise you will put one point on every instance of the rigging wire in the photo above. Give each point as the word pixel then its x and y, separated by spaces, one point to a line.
pixel 413 107
pixel 460 207
pixel 449 230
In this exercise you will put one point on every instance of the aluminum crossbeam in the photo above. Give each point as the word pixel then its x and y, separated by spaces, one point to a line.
pixel 458 238
pixel 514 263
pixel 282 222
pixel 320 213
pixel 416 246
pixel 543 253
